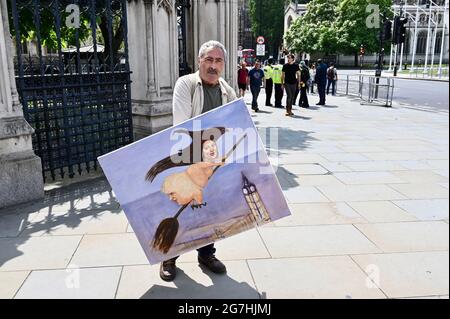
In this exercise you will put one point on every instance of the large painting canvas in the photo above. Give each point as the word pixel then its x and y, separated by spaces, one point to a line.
pixel 202 181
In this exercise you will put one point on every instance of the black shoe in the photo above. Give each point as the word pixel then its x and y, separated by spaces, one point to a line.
pixel 168 270
pixel 212 263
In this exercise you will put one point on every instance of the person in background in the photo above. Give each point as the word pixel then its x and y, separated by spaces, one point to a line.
pixel 304 78
pixel 277 81
pixel 290 79
pixel 255 80
pixel 242 79
pixel 332 77
pixel 321 80
pixel 312 72
pixel 268 74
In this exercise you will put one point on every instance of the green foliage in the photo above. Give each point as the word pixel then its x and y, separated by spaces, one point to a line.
pixel 47 25
pixel 267 18
pixel 351 27
pixel 314 31
pixel 68 35
pixel 336 26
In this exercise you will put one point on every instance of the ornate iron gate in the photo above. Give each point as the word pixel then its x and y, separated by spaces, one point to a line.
pixel 73 78
pixel 182 7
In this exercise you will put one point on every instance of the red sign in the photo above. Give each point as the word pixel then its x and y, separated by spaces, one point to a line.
pixel 260 40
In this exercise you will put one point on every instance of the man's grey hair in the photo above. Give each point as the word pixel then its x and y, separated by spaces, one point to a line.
pixel 212 45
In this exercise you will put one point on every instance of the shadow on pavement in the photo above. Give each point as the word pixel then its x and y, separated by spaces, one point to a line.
pixel 286 178
pixel 288 140
pixel 65 206
pixel 223 287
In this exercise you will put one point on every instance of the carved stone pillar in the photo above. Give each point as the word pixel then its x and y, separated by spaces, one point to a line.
pixel 214 20
pixel 20 169
pixel 153 54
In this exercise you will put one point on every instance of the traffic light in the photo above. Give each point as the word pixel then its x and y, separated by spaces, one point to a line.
pixel 399 30
pixel 402 32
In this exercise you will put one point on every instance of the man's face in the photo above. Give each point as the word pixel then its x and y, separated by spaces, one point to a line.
pixel 290 60
pixel 257 65
pixel 211 66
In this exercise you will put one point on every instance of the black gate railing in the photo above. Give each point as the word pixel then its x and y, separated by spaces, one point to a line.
pixel 182 7
pixel 73 78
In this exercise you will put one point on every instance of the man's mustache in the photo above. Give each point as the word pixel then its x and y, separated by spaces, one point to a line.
pixel 213 71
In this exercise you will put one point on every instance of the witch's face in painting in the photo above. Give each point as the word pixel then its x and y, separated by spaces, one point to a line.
pixel 210 152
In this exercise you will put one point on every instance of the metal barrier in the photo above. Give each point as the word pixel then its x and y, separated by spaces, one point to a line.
pixel 370 89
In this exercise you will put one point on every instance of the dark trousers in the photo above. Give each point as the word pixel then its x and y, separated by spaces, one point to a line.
pixel 255 89
pixel 303 102
pixel 269 90
pixel 290 93
pixel 321 90
pixel 278 95
pixel 333 84
pixel 204 251
pixel 297 91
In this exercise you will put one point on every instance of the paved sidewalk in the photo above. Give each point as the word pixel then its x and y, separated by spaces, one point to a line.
pixel 368 188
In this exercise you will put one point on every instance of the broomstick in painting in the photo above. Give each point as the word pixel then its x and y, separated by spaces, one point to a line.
pixel 186 188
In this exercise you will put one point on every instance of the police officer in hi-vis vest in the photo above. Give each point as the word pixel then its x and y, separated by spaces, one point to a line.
pixel 268 73
pixel 276 78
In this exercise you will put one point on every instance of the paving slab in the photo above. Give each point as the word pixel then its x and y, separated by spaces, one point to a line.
pixel 368 178
pixel 310 278
pixel 317 180
pixel 11 282
pixel 320 214
pixel 420 176
pixel 428 209
pixel 305 194
pixel 53 252
pixel 408 236
pixel 334 166
pixel 316 241
pixel 408 274
pixel 305 169
pixel 381 212
pixel 358 193
pixel 192 282
pixel 345 157
pixel 247 245
pixel 72 283
pixel 109 250
pixel 375 166
pixel 420 191
pixel 77 223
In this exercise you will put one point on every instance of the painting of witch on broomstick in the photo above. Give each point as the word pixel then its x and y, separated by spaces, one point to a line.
pixel 186 188
pixel 197 183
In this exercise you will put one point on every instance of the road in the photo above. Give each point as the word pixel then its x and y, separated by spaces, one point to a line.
pixel 429 94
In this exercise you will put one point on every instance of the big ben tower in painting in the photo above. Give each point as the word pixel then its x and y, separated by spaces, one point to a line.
pixel 255 203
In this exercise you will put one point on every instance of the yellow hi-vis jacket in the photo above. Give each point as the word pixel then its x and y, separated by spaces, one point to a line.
pixel 277 73
pixel 268 72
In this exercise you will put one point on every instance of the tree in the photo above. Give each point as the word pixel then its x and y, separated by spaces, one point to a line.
pixel 313 32
pixel 336 26
pixel 267 18
pixel 352 27
pixel 68 35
